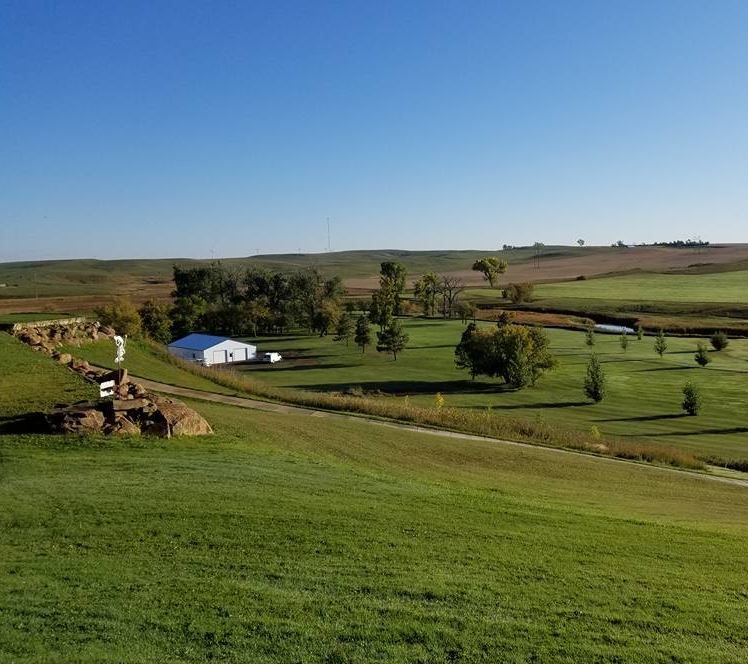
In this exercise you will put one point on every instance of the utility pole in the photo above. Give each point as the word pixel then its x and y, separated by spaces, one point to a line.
pixel 329 246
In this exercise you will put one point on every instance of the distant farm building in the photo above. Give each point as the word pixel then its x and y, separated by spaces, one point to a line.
pixel 208 349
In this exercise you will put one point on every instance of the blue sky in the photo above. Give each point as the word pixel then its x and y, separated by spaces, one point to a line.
pixel 189 129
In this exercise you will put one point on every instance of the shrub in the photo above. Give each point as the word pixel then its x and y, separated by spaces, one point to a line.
pixel 122 315
pixel 439 400
pixel 521 292
pixel 594 381
pixel 589 337
pixel 719 341
pixel 581 277
pixel 639 332
pixel 624 341
pixel 660 343
pixel 691 399
pixel 702 355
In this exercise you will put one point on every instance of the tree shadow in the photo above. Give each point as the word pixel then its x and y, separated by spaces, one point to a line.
pixel 411 387
pixel 300 367
pixel 667 368
pixel 690 433
pixel 547 404
pixel 644 418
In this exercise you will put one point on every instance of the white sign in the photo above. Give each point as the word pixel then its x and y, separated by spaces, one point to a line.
pixel 106 389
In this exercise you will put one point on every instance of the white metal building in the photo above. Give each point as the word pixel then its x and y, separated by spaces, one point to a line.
pixel 207 349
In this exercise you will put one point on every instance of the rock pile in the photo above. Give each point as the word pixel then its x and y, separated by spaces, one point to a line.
pixel 151 415
pixel 132 411
pixel 47 335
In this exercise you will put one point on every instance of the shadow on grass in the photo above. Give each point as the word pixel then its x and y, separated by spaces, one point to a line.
pixel 20 424
pixel 701 432
pixel 644 418
pixel 546 404
pixel 411 387
pixel 668 368
pixel 302 367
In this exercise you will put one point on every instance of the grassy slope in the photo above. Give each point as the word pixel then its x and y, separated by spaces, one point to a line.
pixel 288 539
pixel 644 391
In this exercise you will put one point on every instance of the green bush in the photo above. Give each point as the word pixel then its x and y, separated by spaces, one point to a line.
pixel 719 341
pixel 594 381
pixel 702 355
pixel 691 399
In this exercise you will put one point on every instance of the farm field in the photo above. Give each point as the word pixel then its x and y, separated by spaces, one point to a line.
pixel 644 390
pixel 277 541
pixel 717 287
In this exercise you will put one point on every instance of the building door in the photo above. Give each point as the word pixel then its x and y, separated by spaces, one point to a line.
pixel 219 356
pixel 239 355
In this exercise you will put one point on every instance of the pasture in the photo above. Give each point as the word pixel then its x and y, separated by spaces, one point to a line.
pixel 644 390
pixel 284 538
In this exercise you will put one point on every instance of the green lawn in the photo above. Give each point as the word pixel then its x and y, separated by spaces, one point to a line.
pixel 644 391
pixel 718 287
pixel 286 538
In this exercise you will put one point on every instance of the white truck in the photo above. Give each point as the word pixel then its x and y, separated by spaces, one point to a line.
pixel 271 358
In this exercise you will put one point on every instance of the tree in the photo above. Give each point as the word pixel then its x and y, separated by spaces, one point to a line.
pixel 363 333
pixel 392 278
pixel 426 290
pixel 702 355
pixel 519 293
pixel 490 267
pixel 155 321
pixel 580 242
pixel 468 354
pixel 392 339
pixel 660 343
pixel 122 315
pixel 624 341
pixel 719 341
pixel 517 354
pixel 450 289
pixel 345 328
pixel 187 314
pixel 589 336
pixel 691 399
pixel 639 332
pixel 594 381
pixel 466 311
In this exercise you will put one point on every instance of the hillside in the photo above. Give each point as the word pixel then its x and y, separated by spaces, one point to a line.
pixel 289 538
pixel 82 284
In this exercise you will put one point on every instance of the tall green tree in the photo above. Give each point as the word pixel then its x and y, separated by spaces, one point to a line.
pixel 490 267
pixel 345 328
pixel 393 339
pixel 594 381
pixel 426 291
pixel 363 333
pixel 156 321
pixel 517 354
pixel 122 315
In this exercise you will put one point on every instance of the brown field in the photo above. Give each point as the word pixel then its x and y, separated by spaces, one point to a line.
pixel 645 259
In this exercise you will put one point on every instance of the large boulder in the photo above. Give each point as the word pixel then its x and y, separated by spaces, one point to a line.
pixel 180 420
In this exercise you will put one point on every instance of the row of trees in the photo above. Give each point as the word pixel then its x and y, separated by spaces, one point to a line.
pixel 255 300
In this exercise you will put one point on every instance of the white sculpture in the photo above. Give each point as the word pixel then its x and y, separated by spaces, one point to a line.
pixel 120 357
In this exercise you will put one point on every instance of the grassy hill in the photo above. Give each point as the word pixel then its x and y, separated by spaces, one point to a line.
pixel 288 538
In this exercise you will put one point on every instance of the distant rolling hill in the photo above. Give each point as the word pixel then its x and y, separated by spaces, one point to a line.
pixel 82 283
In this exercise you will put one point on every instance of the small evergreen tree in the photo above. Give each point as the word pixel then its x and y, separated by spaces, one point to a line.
pixel 660 343
pixel 363 333
pixel 719 341
pixel 345 328
pixel 624 341
pixel 639 332
pixel 702 355
pixel 594 381
pixel 392 339
pixel 589 337
pixel 691 399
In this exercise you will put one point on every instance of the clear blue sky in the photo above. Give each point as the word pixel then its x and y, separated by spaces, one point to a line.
pixel 174 128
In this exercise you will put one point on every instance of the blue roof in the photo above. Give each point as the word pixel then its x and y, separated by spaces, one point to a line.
pixel 197 341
